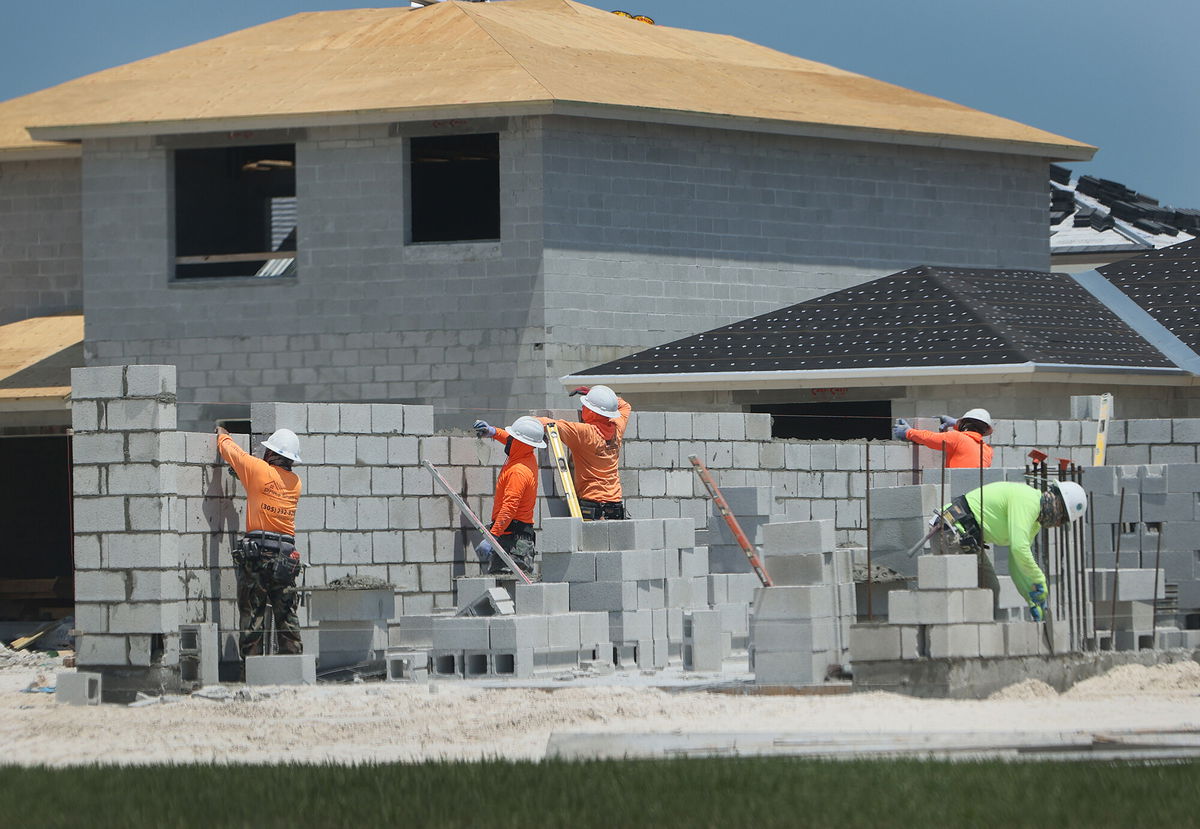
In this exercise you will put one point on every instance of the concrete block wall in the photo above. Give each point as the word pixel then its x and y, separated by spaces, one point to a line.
pixel 650 228
pixel 40 238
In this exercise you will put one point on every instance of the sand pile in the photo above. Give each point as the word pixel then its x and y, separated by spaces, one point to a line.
pixel 1027 689
pixel 1174 679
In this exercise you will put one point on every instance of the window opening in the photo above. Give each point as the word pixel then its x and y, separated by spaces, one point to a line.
pixel 841 420
pixel 235 211
pixel 454 186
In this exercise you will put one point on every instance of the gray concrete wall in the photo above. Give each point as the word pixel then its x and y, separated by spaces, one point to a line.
pixel 655 232
pixel 40 247
pixel 366 317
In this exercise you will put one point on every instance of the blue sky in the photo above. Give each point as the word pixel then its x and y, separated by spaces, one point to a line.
pixel 1112 73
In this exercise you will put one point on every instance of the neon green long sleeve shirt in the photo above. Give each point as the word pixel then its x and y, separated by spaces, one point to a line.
pixel 1009 513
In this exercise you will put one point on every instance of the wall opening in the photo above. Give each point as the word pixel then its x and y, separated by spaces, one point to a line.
pixel 841 420
pixel 37 572
pixel 454 188
pixel 235 211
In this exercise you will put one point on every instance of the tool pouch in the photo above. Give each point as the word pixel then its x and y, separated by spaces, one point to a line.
pixel 286 565
pixel 247 552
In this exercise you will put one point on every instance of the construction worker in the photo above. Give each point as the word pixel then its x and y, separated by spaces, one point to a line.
pixel 266 556
pixel 516 493
pixel 595 444
pixel 1013 514
pixel 961 439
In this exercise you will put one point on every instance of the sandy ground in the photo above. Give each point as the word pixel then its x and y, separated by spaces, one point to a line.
pixel 457 720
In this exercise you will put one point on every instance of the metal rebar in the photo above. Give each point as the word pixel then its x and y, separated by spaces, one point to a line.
pixel 1112 612
pixel 1157 559
pixel 1092 587
pixel 870 574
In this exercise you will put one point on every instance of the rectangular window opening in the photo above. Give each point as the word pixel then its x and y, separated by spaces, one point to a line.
pixel 840 420
pixel 454 183
pixel 235 212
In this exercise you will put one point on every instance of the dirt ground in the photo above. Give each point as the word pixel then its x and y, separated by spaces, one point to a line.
pixel 387 722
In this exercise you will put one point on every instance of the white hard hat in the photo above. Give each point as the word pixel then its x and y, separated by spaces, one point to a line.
pixel 529 430
pixel 603 401
pixel 981 415
pixel 1073 497
pixel 285 443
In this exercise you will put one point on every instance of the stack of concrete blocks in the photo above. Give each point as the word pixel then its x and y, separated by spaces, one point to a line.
pixel 899 519
pixel 643 574
pixel 1128 616
pixel 753 506
pixel 351 624
pixel 129 578
pixel 948 616
pixel 800 627
pixel 1160 526
pixel 544 635
pixel 199 656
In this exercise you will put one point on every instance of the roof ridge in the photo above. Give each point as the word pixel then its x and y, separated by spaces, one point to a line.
pixel 939 277
pixel 479 21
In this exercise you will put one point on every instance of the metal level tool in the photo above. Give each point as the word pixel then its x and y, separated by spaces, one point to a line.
pixel 1102 419
pixel 474 519
pixel 564 471
pixel 731 520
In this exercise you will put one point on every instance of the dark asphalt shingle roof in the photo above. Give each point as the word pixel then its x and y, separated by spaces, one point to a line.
pixel 921 317
pixel 1166 284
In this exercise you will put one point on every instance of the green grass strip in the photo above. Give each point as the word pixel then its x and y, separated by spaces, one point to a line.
pixel 752 792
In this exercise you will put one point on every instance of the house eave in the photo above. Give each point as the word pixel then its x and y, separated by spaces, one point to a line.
pixel 1028 372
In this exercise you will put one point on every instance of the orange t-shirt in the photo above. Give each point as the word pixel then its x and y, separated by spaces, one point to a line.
pixel 597 477
pixel 516 487
pixel 961 448
pixel 271 493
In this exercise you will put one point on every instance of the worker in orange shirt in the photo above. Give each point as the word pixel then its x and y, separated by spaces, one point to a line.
pixel 595 444
pixel 516 493
pixel 266 556
pixel 961 439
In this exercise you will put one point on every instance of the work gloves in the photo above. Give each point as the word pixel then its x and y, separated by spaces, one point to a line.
pixel 900 432
pixel 483 430
pixel 484 550
pixel 1037 596
pixel 579 390
pixel 949 424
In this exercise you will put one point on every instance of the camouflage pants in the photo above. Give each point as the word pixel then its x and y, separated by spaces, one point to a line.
pixel 520 547
pixel 257 589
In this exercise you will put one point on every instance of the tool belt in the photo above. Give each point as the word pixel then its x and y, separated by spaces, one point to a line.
pixel 274 553
pixel 520 529
pixel 602 510
pixel 970 534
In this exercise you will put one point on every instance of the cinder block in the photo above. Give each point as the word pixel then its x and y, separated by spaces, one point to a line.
pixel 902 607
pixel 518 664
pixel 593 629
pixel 651 594
pixel 875 642
pixel 792 602
pixel 1158 507
pixel 912 501
pixel 462 633
pixel 626 565
pixel 282 669
pixel 630 625
pixel 78 688
pixel 977 605
pixel 560 535
pixel 543 598
pixel 789 668
pixel 678 593
pixel 781 537
pixel 991 640
pixel 957 640
pixel 351 605
pixel 788 636
pixel 798 568
pixel 707 649
pixel 936 572
pixel 1021 638
pixel 199 654
pixel 518 632
pixel 940 607
pixel 604 595
pixel 1124 615
pixel 407 666
pixel 470 588
pixel 1131 584
pixel 413 631
pixel 746 501
pixel 648 533
pixel 446 663
pixel 679 533
pixel 1183 477
pixel 570 567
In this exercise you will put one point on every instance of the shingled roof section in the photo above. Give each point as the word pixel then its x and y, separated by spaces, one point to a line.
pixel 924 317
pixel 1165 283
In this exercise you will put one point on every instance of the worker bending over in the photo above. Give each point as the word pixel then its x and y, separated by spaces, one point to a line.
pixel 961 440
pixel 266 556
pixel 595 444
pixel 1012 516
pixel 516 493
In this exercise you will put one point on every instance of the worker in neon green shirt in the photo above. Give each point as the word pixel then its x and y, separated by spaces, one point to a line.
pixel 1012 516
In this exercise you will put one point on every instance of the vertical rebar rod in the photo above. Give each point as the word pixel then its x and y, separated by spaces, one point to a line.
pixel 1157 560
pixel 1091 592
pixel 1112 611
pixel 870 568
